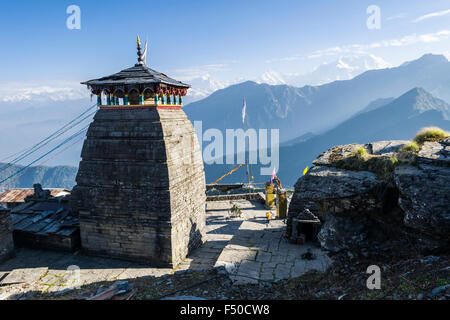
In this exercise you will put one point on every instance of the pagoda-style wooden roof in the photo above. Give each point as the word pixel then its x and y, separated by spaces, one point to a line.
pixel 138 74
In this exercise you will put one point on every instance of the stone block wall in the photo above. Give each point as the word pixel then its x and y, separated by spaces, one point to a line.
pixel 140 191
pixel 6 237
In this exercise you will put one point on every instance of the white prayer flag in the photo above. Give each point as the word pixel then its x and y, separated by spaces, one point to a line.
pixel 144 54
pixel 244 109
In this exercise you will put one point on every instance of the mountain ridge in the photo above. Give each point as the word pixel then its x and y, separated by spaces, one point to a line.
pixel 48 177
pixel 315 109
pixel 399 119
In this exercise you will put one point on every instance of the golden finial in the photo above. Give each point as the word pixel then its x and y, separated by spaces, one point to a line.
pixel 139 53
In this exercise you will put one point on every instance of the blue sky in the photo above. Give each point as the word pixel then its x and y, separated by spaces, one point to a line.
pixel 229 39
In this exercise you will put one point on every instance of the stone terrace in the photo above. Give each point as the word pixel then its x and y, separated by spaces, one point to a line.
pixel 250 247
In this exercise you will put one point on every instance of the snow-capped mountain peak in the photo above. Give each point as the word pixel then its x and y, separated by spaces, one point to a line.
pixel 344 68
pixel 271 77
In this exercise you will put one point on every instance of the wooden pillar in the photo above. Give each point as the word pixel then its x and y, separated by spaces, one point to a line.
pixel 99 99
pixel 125 100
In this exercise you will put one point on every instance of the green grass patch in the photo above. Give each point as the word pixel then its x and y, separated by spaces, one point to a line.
pixel 360 159
pixel 360 152
pixel 411 147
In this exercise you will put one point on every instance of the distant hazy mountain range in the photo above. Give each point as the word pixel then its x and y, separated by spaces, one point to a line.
pixel 24 124
pixel 346 67
pixel 310 118
pixel 296 111
pixel 400 118
pixel 48 177
pixel 202 87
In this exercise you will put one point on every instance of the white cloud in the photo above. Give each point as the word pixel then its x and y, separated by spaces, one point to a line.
pixel 397 16
pixel 363 48
pixel 432 15
pixel 189 73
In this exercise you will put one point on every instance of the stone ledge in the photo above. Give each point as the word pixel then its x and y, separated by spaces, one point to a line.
pixel 259 196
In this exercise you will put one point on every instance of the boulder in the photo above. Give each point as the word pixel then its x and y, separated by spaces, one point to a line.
pixel 425 198
pixel 343 233
pixel 336 153
pixel 332 183
pixel 344 199
pixel 332 156
pixel 435 152
pixel 386 148
pixel 362 200
pixel 339 191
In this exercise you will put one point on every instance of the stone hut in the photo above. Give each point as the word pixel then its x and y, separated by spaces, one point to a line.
pixel 140 192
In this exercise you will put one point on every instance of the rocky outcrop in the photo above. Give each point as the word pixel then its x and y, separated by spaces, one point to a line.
pixel 328 182
pixel 424 190
pixel 363 196
pixel 344 232
pixel 386 148
pixel 339 190
pixel 435 152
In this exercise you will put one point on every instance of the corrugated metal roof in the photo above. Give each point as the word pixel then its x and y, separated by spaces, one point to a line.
pixel 19 194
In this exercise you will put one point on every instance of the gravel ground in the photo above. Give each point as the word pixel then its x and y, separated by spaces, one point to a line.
pixel 416 278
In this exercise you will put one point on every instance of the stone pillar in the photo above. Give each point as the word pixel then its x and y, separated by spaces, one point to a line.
pixel 6 237
pixel 140 191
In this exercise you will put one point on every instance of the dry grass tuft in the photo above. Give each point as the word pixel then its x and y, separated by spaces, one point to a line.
pixel 430 134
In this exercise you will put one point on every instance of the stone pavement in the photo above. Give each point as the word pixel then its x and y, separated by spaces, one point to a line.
pixel 250 247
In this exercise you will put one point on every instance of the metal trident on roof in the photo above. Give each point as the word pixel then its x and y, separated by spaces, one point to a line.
pixel 142 56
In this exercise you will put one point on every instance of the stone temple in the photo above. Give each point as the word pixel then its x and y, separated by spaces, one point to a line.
pixel 140 192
